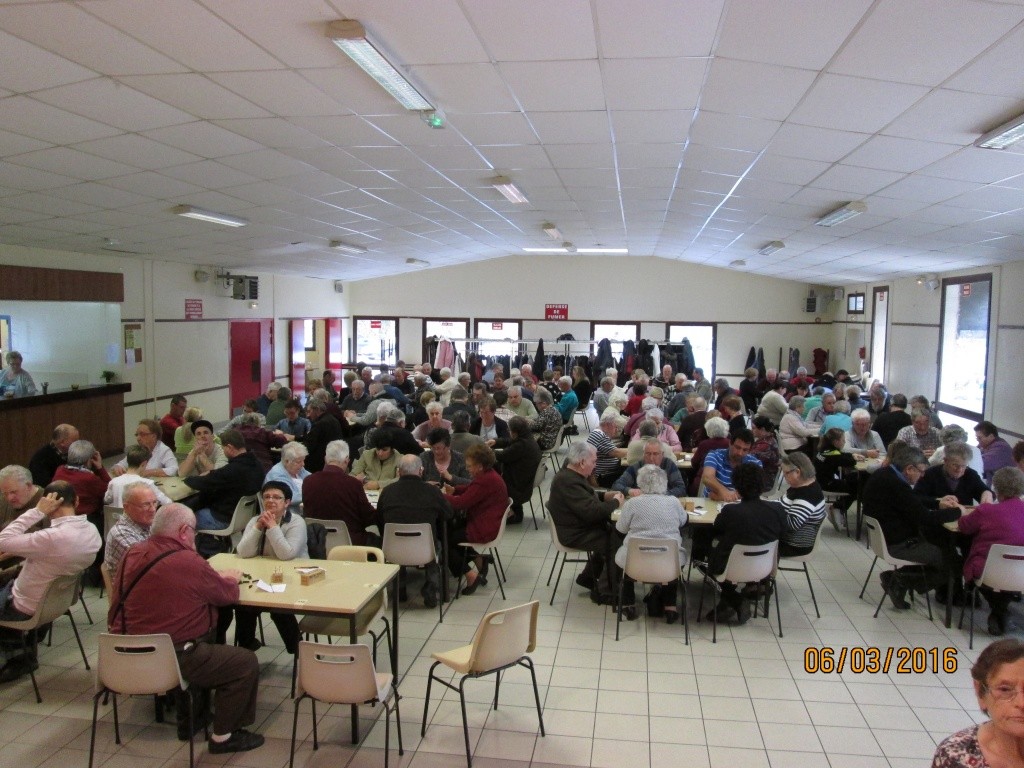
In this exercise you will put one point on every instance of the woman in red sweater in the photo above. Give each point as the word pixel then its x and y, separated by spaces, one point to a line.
pixel 479 508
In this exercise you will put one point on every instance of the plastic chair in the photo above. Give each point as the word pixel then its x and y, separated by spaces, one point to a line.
pixel 412 544
pixel 1004 572
pixel 135 665
pixel 831 497
pixel 876 542
pixel 108 582
pixel 538 480
pixel 652 561
pixel 56 601
pixel 747 564
pixel 503 639
pixel 564 551
pixel 110 516
pixel 802 560
pixel 487 546
pixel 245 510
pixel 550 452
pixel 581 410
pixel 344 674
pixel 337 532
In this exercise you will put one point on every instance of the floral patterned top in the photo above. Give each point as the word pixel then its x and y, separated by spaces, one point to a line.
pixel 961 750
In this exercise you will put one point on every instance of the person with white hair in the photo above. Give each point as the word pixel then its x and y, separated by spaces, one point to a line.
pixel 140 503
pixel 568 403
pixel 86 474
pixel 263 401
pixel 334 494
pixel 654 455
pixel 519 404
pixel 861 438
pixel 357 399
pixel 666 434
pixel 435 420
pixel 17 493
pixel 443 391
pixel 609 455
pixel 602 393
pixel 291 471
pixel 677 396
pixel 954 433
pixel 548 420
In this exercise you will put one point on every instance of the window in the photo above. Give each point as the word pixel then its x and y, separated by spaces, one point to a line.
pixel 616 333
pixel 309 334
pixel 450 328
pixel 376 341
pixel 879 327
pixel 963 345
pixel 702 341
pixel 505 330
pixel 855 304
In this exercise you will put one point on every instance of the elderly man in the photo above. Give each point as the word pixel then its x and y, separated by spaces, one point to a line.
pixel 722 462
pixel 220 490
pixel 459 402
pixel 702 386
pixel 526 371
pixel 325 430
pixel 85 473
pixel 358 399
pixel 920 434
pixel 608 468
pixel 953 480
pixel 888 424
pixel 996 453
pixel 722 390
pixel 817 414
pixel 677 396
pixel 768 383
pixel 261 442
pixel 164 586
pixel 582 518
pixel 409 501
pixel 548 420
pixel 861 438
pixel 45 461
pixel 17 493
pixel 263 401
pixel 603 393
pixel 519 405
pixel 654 455
pixel 162 462
pixel 67 546
pixel 368 418
pixel 665 380
pixel 691 427
pixel 334 494
pixel 173 419
pixel 140 504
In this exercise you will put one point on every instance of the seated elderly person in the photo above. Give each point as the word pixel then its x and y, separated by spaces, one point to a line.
pixel 656 515
pixel 488 426
pixel 793 432
pixel 953 480
pixel 462 438
pixel 817 414
pixel 392 423
pixel 773 406
pixel 276 410
pixel 581 517
pixel 634 421
pixel 260 441
pixel 617 403
pixel 292 471
pixel 804 505
pixel 996 453
pixel 568 403
pixel 85 473
pixel 293 424
pixel 860 438
pixel 249 406
pixel 459 402
pixel 999 523
pixel 443 390
pixel 839 419
pixel 440 463
pixel 677 396
pixel 140 504
pixel 279 534
pixel 635 449
pixel 921 434
pixel 357 399
pixel 609 454
pixel 653 455
pixel 721 463
pixel 548 421
pixel 377 467
pixel 434 421
pixel 954 433
pixel 519 404
pixel 206 453
pixel 717 430
pixel 602 394
pixel 162 462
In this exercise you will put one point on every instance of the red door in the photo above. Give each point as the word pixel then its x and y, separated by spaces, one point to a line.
pixel 251 361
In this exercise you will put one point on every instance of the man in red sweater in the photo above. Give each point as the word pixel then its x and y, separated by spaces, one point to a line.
pixel 333 494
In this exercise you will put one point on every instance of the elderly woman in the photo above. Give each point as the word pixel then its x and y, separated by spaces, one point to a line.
pixel 548 421
pixel 617 402
pixel 479 508
pixel 954 433
pixel 998 676
pixel 861 438
pixel 205 455
pixel 183 435
pixel 635 449
pixel 655 515
pixel 519 462
pixel 718 437
pixel 290 470
pixel 766 448
pixel 988 524
pixel 804 504
pixel 377 467
pixel 440 463
pixel 280 534
pixel 16 379
pixel 953 479
pixel 793 432
pixel 434 421
pixel 665 432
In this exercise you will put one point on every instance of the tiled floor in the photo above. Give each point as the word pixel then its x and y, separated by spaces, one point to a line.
pixel 645 700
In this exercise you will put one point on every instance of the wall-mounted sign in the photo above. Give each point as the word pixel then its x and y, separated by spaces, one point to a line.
pixel 556 311
pixel 375 324
pixel 965 289
pixel 193 309
pixel 496 326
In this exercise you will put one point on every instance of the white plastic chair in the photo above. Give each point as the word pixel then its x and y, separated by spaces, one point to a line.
pixel 412 545
pixel 652 561
pixel 1004 572
pixel 802 560
pixel 245 510
pixel 553 450
pixel 136 665
pixel 876 542
pixel 564 551
pixel 538 480
pixel 337 532
pixel 487 546
pixel 344 674
pixel 503 639
pixel 747 564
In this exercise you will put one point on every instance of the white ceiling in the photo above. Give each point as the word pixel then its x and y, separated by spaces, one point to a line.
pixel 696 130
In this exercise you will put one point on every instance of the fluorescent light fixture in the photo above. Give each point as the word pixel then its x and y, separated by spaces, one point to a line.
pixel 350 36
pixel 511 192
pixel 191 212
pixel 338 245
pixel 772 247
pixel 736 264
pixel 552 231
pixel 417 262
pixel 545 250
pixel 602 250
pixel 1003 136
pixel 841 214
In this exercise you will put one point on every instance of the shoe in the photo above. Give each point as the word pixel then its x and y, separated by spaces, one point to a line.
pixel 586 581
pixel 252 645
pixel 469 589
pixel 240 741
pixel 514 520
pixel 19 666
pixel 671 617
pixel 430 598
pixel 602 598
pixel 833 518
pixel 996 627
pixel 202 721
pixel 629 612
pixel 898 594
pixel 743 613
pixel 724 612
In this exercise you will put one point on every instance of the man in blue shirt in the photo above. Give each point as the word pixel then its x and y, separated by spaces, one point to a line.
pixel 720 463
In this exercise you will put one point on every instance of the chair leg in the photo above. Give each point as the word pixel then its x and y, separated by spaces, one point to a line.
pixel 618 607
pixel 316 738
pixel 497 561
pixel 867 579
pixel 426 698
pixel 497 688
pixel 295 728
pixel 528 662
pixel 552 601
pixel 879 605
pixel 552 572
pixel 398 718
pixel 778 613
pixel 970 644
pixel 810 586
pixel 465 720
pixel 686 620
pixel 191 735
pixel 117 720
pixel 95 714
pixel 35 655
pixel 533 514
pixel 81 599
pixel 543 512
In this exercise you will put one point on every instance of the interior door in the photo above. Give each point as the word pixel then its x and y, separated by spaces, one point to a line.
pixel 251 359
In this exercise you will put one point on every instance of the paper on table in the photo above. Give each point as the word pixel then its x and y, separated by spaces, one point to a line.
pixel 697 511
pixel 262 585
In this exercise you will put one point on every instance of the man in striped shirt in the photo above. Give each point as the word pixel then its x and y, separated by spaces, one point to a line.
pixel 609 456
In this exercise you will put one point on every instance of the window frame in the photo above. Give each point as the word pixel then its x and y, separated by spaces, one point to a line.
pixel 355 336
pixel 938 404
pixel 852 302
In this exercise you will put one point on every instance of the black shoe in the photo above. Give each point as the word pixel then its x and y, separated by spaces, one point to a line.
pixel 743 613
pixel 586 581
pixel 240 741
pixel 469 589
pixel 514 520
pixel 202 721
pixel 898 594
pixel 671 617
pixel 430 598
pixel 996 627
pixel 19 666
pixel 724 612
pixel 602 598
pixel 629 612
pixel 251 645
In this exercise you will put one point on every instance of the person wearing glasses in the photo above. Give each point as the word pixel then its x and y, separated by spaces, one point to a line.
pixel 278 534
pixel 804 504
pixel 998 676
pixel 162 462
pixel 140 504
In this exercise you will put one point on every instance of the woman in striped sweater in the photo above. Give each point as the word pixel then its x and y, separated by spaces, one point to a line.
pixel 804 503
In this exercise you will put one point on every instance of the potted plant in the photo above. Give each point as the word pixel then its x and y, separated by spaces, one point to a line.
pixel 108 376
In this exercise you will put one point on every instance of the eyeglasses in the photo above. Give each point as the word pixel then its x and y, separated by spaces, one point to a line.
pixel 273 498
pixel 1004 692
pixel 147 504
pixel 790 471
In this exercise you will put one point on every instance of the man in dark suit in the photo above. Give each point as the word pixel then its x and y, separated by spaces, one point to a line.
pixel 888 424
pixel 325 429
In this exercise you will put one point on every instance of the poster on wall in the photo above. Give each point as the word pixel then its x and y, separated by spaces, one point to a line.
pixel 132 344
pixel 556 311
pixel 193 309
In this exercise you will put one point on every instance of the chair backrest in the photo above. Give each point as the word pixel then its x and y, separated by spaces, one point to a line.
pixel 780 483
pixel 1004 568
pixel 558 440
pixel 750 562
pixel 137 664
pixel 409 543
pixel 540 474
pixel 245 510
pixel 702 489
pixel 504 637
pixel 356 554
pixel 876 539
pixel 108 582
pixel 652 561
pixel 342 674
pixel 559 546
pixel 110 516
pixel 60 595
pixel 337 532
pixel 501 528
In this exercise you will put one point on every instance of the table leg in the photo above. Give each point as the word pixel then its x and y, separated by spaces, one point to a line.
pixel 950 557
pixel 443 567
pixel 394 629
pixel 355 708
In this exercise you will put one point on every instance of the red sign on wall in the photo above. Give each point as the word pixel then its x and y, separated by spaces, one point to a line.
pixel 556 311
pixel 497 326
pixel 965 289
pixel 375 324
pixel 193 309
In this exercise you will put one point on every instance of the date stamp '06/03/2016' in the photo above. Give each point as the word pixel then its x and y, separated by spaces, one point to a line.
pixel 874 660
